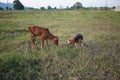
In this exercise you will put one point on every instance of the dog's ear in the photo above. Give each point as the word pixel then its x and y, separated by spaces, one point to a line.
pixel 71 40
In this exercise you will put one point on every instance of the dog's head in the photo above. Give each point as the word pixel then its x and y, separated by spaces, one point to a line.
pixel 71 40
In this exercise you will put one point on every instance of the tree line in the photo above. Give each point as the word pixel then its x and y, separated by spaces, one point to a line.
pixel 17 5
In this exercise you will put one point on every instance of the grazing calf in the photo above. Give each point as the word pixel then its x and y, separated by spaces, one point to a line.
pixel 76 40
pixel 44 34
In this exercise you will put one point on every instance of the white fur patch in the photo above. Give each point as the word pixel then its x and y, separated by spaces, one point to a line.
pixel 68 41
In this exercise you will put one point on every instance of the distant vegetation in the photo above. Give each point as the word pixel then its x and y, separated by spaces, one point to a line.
pixel 99 59
pixel 17 5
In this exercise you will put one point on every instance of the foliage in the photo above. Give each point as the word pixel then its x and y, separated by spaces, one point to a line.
pixel 18 5
pixel 49 7
pixel 1 8
pixel 42 8
pixel 77 5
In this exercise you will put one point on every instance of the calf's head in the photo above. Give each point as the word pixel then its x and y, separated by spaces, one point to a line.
pixel 56 41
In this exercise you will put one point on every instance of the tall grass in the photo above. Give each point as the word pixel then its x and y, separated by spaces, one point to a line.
pixel 98 59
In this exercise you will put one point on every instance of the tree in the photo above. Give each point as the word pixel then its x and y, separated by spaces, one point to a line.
pixel 1 8
pixel 77 5
pixel 42 8
pixel 49 7
pixel 18 5
pixel 55 7
pixel 7 8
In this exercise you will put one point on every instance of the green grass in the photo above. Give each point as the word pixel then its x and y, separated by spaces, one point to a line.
pixel 99 59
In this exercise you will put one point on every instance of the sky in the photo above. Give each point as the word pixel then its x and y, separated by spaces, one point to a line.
pixel 65 3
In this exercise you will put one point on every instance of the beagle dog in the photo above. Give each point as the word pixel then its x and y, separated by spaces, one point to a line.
pixel 76 40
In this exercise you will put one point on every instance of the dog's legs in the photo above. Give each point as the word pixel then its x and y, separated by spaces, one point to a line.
pixel 75 45
pixel 80 43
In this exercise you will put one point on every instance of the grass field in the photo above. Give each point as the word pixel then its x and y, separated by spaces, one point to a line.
pixel 99 59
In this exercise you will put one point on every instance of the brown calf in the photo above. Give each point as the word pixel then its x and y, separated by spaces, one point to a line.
pixel 44 34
